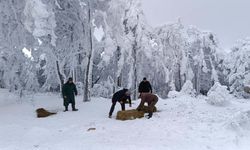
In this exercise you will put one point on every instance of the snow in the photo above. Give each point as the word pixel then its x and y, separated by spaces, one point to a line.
pixel 174 94
pixel 188 88
pixel 27 53
pixel 218 95
pixel 40 19
pixel 181 123
pixel 99 33
pixel 39 41
pixel 57 4
pixel 241 121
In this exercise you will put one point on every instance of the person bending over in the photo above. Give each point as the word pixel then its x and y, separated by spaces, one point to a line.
pixel 150 99
pixel 121 96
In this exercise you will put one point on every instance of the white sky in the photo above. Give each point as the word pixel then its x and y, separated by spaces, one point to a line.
pixel 228 19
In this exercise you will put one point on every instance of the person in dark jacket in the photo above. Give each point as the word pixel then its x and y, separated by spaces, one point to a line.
pixel 145 86
pixel 121 96
pixel 69 91
pixel 150 99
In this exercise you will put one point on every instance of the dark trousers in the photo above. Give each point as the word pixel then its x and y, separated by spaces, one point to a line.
pixel 67 101
pixel 151 107
pixel 113 107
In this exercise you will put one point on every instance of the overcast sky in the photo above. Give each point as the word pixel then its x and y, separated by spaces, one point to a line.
pixel 228 19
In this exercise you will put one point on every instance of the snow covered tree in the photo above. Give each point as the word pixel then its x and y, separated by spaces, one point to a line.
pixel 17 69
pixel 237 68
pixel 104 45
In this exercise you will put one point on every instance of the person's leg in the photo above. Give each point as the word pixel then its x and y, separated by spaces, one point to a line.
pixel 151 109
pixel 112 108
pixel 66 104
pixel 66 108
pixel 74 108
pixel 73 105
pixel 123 106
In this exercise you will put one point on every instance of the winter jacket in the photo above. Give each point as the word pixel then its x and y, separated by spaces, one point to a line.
pixel 145 87
pixel 120 96
pixel 69 90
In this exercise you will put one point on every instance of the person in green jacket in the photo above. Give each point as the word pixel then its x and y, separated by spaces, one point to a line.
pixel 69 91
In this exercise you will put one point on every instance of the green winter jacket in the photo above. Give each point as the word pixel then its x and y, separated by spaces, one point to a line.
pixel 69 91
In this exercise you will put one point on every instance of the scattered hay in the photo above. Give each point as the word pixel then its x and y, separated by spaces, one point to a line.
pixel 146 109
pixel 91 129
pixel 129 114
pixel 41 113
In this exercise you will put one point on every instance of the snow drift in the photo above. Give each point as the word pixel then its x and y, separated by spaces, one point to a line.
pixel 218 95
pixel 241 121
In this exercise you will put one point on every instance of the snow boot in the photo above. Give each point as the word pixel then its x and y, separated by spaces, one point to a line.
pixel 74 109
pixel 150 115
pixel 66 109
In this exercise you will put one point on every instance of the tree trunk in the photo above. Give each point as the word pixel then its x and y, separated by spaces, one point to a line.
pixel 59 75
pixel 135 72
pixel 89 69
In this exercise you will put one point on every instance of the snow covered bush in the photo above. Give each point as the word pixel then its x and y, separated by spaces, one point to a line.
pixel 241 121
pixel 218 95
pixel 173 94
pixel 188 88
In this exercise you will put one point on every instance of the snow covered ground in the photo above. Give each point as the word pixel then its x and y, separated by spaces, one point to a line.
pixel 182 123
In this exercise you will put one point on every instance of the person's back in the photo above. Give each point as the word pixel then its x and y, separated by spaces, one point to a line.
pixel 119 94
pixel 145 86
pixel 148 97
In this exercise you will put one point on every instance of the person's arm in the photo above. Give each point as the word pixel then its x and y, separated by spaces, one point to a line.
pixel 129 100
pixel 150 87
pixel 141 104
pixel 64 91
pixel 140 88
pixel 75 90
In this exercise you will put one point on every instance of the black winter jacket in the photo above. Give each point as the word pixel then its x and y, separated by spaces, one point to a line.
pixel 120 96
pixel 145 87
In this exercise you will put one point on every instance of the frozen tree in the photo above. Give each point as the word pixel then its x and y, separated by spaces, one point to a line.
pixel 16 71
pixel 237 68
pixel 188 54
pixel 104 45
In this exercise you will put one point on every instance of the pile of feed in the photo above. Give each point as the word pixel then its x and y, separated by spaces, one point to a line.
pixel 42 113
pixel 146 109
pixel 129 114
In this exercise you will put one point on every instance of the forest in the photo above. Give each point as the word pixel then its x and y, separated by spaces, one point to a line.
pixel 106 45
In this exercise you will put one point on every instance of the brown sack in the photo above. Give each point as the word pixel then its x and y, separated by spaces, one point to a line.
pixel 146 109
pixel 129 114
pixel 41 113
